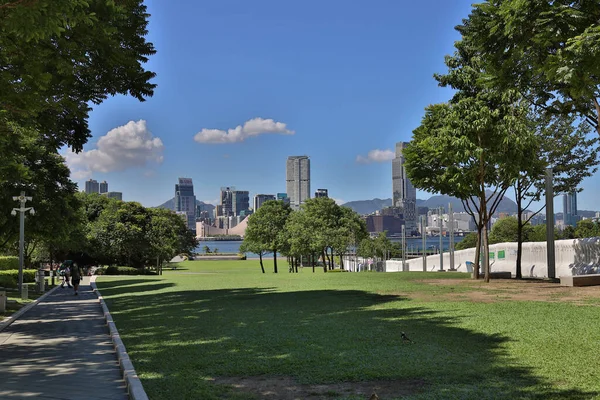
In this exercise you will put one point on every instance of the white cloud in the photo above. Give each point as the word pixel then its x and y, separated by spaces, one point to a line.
pixel 376 155
pixel 252 127
pixel 339 202
pixel 126 146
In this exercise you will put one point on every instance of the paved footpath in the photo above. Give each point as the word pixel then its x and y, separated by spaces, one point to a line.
pixel 60 349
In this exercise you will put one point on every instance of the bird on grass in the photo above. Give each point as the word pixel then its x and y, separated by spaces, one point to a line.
pixel 405 338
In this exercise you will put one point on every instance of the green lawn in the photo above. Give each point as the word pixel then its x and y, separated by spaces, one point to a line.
pixel 216 319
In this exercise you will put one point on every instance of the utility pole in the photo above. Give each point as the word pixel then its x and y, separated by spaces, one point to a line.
pixel 403 248
pixel 550 224
pixel 440 209
pixel 22 199
pixel 451 222
pixel 424 238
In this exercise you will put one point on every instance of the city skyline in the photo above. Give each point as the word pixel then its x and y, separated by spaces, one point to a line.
pixel 230 107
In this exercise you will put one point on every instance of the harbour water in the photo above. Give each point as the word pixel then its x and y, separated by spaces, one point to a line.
pixel 412 245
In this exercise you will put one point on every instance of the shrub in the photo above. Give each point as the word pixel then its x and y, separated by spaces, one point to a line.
pixel 9 262
pixel 114 270
pixel 28 274
pixel 7 281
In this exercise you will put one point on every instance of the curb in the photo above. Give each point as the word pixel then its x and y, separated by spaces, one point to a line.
pixel 9 320
pixel 134 384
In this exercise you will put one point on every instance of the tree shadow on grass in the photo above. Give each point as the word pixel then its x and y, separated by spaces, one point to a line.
pixel 179 340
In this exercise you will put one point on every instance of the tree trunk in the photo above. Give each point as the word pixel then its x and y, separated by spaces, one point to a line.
pixel 275 261
pixel 486 254
pixel 477 253
pixel 262 267
pixel 324 261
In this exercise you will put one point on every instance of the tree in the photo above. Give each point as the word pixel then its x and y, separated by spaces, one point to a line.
pixel 469 241
pixel 60 56
pixel 548 50
pixel 586 228
pixel 564 146
pixel 350 230
pixel 252 245
pixel 168 236
pixel 507 230
pixel 265 227
pixel 475 143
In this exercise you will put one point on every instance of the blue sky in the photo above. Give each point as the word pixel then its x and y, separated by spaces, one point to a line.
pixel 334 80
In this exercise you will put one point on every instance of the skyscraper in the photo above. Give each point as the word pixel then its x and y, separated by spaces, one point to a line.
pixel 103 187
pixel 234 202
pixel 298 180
pixel 404 194
pixel 321 193
pixel 185 201
pixel 570 216
pixel 92 186
pixel 259 199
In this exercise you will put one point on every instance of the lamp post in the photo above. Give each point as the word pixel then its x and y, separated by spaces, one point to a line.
pixel 22 209
pixel 441 223
pixel 423 236
pixel 451 223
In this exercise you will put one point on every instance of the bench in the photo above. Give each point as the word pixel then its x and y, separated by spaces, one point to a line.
pixel 580 280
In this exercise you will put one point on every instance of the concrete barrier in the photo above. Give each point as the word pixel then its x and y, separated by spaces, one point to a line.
pixel 580 280
pixel 573 257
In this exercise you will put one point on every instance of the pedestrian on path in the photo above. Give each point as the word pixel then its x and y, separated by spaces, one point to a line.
pixel 65 271
pixel 76 274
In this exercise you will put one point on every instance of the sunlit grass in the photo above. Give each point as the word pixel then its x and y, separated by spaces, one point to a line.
pixel 225 318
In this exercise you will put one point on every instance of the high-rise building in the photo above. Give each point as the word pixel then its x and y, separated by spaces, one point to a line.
pixel 226 202
pixel 185 201
pixel 233 202
pixel 241 202
pixel 259 199
pixel 298 180
pixel 321 193
pixel 92 186
pixel 570 216
pixel 283 197
pixel 103 187
pixel 404 194
pixel 113 195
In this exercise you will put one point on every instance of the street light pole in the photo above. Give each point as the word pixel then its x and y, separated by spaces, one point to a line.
pixel 22 199
pixel 451 222
pixel 441 243
pixel 424 238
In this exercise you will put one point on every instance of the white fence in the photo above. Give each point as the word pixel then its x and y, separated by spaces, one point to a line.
pixel 573 257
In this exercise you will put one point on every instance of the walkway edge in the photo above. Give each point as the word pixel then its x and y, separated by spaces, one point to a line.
pixel 9 320
pixel 134 384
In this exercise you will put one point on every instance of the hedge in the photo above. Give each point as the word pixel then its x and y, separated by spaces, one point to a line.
pixel 9 262
pixel 114 270
pixel 12 275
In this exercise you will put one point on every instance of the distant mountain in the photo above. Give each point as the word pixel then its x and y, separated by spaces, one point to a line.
pixel 370 206
pixel 506 205
pixel 170 205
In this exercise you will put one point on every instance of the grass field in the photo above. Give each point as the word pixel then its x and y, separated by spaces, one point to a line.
pixel 223 330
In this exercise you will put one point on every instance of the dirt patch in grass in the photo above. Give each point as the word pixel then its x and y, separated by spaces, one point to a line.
pixel 511 290
pixel 286 388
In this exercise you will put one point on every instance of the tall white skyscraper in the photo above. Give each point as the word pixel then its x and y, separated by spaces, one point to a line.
pixel 404 194
pixel 298 180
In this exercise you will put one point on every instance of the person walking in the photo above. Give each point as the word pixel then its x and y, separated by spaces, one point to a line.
pixel 76 274
pixel 65 271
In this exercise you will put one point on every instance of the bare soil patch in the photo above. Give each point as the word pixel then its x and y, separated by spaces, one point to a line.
pixel 512 290
pixel 286 388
